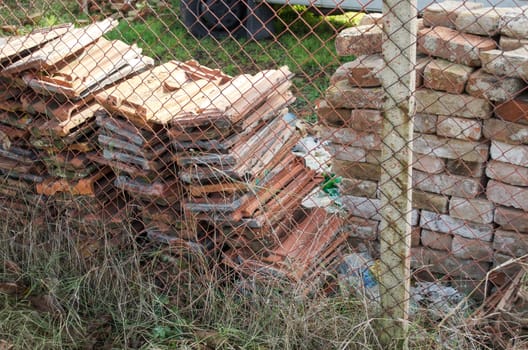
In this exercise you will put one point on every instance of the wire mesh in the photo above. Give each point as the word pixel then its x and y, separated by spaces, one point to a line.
pixel 244 140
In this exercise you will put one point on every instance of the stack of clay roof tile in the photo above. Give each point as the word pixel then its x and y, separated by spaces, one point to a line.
pixel 200 158
pixel 227 151
pixel 136 144
pixel 226 134
pixel 19 163
pixel 234 152
pixel 141 160
pixel 52 75
pixel 310 242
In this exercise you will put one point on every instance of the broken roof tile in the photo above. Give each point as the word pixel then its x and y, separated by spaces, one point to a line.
pixel 70 43
pixel 16 47
pixel 102 63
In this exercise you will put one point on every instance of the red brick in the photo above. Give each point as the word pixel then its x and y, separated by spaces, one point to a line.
pixel 459 128
pixel 512 63
pixel 442 103
pixel 425 123
pixel 350 137
pixel 511 133
pixel 348 153
pixel 359 40
pixel 358 188
pixel 433 202
pixel 362 72
pixel 420 24
pixel 511 243
pixel 445 13
pixel 507 173
pixel 353 154
pixel 492 87
pixel 474 249
pixel 374 157
pixel 446 76
pixel 513 154
pixel 436 240
pixel 451 185
pixel 415 217
pixel 474 210
pixel 462 168
pixel 480 21
pixel 362 228
pixel 344 95
pixel 370 18
pixel 366 120
pixel 421 62
pixel 511 219
pixel 445 263
pixel 453 46
pixel 331 116
pixel 415 236
pixel 515 110
pixel 507 195
pixel 367 208
pixel 356 170
pixel 428 164
pixel 448 224
pixel 507 44
pixel 450 148
pixel 514 23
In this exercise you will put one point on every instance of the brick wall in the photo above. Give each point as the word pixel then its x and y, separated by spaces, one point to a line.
pixel 470 167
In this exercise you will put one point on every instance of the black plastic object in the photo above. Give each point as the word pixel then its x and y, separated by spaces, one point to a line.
pixel 217 18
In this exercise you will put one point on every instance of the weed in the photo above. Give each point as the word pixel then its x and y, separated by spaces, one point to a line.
pixel 149 296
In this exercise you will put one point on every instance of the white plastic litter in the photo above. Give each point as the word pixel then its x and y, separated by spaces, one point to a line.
pixel 315 155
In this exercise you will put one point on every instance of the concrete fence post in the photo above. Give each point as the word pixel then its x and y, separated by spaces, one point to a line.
pixel 398 81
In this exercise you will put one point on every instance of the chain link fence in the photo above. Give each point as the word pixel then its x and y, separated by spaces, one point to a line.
pixel 262 145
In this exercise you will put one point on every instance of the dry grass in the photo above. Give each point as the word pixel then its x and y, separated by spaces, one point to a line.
pixel 55 295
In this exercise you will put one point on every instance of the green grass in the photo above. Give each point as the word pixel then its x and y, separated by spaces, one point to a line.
pixel 16 12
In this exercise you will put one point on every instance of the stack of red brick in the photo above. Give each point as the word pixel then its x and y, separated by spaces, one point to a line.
pixel 470 159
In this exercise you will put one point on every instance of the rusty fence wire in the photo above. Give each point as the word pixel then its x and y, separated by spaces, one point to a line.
pixel 380 156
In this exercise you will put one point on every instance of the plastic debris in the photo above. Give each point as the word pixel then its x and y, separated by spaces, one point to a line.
pixel 315 155
pixel 355 272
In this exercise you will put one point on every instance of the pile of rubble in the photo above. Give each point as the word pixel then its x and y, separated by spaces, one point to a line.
pixel 470 154
pixel 190 155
